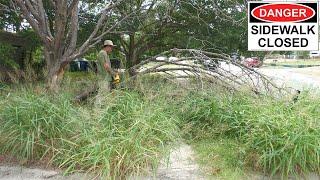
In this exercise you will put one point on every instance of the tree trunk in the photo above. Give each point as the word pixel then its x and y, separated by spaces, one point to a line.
pixel 131 56
pixel 54 79
pixel 132 53
pixel 55 71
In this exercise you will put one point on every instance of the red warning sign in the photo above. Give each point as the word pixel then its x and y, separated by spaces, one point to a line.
pixel 283 12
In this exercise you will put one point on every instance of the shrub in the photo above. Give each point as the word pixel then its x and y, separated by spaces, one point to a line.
pixel 6 54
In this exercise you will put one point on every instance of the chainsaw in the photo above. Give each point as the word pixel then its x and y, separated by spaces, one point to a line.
pixel 116 79
pixel 115 64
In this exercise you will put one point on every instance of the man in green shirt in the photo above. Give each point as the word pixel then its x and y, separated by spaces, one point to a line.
pixel 104 70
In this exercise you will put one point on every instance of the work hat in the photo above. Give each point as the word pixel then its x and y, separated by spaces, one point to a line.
pixel 108 43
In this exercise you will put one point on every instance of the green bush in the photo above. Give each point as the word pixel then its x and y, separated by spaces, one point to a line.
pixel 6 54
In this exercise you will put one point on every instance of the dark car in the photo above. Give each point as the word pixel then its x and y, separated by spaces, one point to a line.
pixel 79 65
pixel 83 65
pixel 235 57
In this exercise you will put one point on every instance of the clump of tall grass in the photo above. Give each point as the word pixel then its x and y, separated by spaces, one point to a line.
pixel 125 136
pixel 279 136
pixel 31 123
pixel 133 127
pixel 284 135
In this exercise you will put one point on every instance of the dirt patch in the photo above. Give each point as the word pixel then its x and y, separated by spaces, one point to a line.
pixel 44 163
pixel 179 165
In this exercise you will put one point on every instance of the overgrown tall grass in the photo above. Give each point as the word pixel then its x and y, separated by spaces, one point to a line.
pixel 126 135
pixel 32 124
pixel 285 135
pixel 132 129
pixel 279 136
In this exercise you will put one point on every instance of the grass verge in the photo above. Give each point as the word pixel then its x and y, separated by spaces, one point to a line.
pixel 276 136
pixel 298 62
pixel 219 157
pixel 124 136
pixel 129 133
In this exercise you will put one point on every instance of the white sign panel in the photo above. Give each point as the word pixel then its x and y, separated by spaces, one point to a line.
pixel 283 26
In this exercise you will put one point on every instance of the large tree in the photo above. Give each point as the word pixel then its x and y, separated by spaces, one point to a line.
pixel 56 22
pixel 146 30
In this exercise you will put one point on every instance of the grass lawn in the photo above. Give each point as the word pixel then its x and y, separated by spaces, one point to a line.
pixel 297 62
pixel 131 129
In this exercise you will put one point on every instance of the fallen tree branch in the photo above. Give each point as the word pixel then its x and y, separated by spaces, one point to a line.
pixel 210 67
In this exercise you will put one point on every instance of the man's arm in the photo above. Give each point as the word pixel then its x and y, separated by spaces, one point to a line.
pixel 109 69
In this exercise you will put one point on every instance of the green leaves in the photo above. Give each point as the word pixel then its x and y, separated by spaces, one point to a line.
pixel 6 56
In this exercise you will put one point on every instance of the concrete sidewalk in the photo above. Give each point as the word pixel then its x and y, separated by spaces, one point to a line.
pixel 23 173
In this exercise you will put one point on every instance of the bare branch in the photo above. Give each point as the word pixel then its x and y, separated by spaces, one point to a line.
pixel 102 18
pixel 216 72
pixel 44 19
pixel 73 30
pixel 30 18
pixel 4 8
pixel 111 28
pixel 32 10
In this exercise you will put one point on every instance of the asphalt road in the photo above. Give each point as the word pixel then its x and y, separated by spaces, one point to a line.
pixel 298 78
